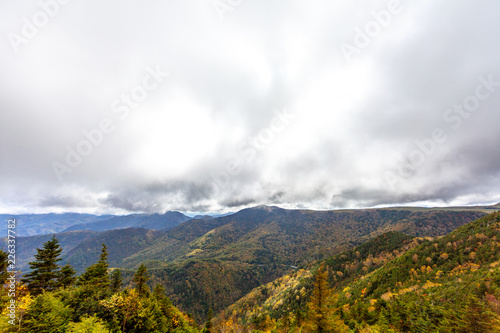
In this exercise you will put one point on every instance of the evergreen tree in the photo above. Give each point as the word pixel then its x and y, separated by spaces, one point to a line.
pixel 322 318
pixel 159 292
pixel 67 276
pixel 3 267
pixel 208 323
pixel 116 281
pixel 97 274
pixel 140 278
pixel 44 270
pixel 162 298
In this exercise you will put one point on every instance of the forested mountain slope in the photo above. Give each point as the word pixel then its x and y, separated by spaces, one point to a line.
pixel 264 235
pixel 255 246
pixel 445 284
pixel 290 293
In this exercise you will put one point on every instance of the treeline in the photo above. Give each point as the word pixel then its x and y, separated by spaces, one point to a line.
pixel 51 298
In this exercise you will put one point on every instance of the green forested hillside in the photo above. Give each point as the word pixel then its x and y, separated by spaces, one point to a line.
pixel 264 235
pixel 203 285
pixel 392 284
pixel 451 284
pixel 289 294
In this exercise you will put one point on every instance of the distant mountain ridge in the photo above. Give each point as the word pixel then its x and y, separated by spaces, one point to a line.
pixel 48 224
pixel 267 234
pixel 45 224
pixel 41 224
pixel 164 221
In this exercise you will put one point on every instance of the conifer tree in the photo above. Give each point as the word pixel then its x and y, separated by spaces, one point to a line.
pixel 3 267
pixel 208 323
pixel 162 298
pixel 140 278
pixel 322 318
pixel 97 274
pixel 116 281
pixel 67 276
pixel 159 291
pixel 44 270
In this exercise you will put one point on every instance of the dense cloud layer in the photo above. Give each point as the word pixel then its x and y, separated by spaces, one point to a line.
pixel 217 105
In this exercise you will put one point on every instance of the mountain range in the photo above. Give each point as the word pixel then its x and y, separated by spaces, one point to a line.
pixel 44 224
pixel 209 263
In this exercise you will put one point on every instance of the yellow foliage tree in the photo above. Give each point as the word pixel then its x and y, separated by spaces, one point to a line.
pixel 123 306
pixel 322 318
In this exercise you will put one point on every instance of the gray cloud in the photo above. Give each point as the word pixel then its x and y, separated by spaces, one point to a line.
pixel 208 137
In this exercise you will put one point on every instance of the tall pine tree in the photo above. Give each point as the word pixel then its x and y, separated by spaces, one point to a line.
pixel 3 267
pixel 162 298
pixel 322 318
pixel 116 281
pixel 97 274
pixel 140 278
pixel 67 276
pixel 45 271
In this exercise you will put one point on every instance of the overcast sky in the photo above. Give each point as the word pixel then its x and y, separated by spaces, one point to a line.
pixel 213 106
